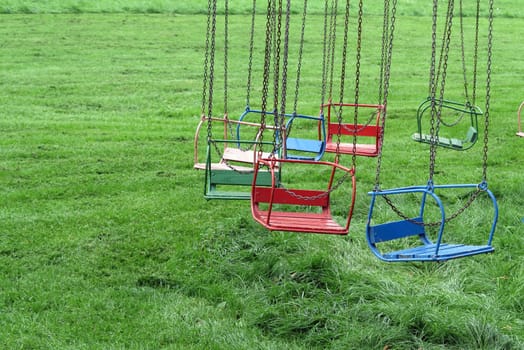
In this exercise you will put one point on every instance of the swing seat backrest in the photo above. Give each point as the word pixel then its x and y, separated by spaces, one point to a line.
pixel 359 133
pixel 395 230
pixel 291 197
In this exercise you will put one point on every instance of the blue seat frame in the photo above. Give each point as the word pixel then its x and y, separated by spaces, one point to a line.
pixel 428 250
pixel 296 148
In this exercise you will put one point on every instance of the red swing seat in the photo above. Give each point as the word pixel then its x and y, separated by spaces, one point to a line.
pixel 290 215
pixel 367 135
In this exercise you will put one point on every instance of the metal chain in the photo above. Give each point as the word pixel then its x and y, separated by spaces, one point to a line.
pixel 437 112
pixel 251 50
pixel 433 87
pixel 463 52
pixel 226 49
pixel 389 18
pixel 482 187
pixel 442 50
pixel 488 93
pixel 342 79
pixel 300 54
pixel 385 31
pixel 332 39
pixel 277 21
pixel 266 73
pixel 475 55
pixel 357 82
pixel 324 58
pixel 213 12
pixel 285 57
pixel 206 59
pixel 320 195
pixel 471 199
pixel 355 129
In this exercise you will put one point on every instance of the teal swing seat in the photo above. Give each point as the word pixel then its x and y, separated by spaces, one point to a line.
pixel 228 180
pixel 449 109
pixel 229 162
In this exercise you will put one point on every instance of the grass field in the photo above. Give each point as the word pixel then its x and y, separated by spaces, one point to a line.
pixel 107 243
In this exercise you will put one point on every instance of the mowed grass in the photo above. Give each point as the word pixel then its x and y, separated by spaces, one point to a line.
pixel 107 243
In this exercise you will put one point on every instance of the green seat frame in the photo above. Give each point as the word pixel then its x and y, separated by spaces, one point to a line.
pixel 454 143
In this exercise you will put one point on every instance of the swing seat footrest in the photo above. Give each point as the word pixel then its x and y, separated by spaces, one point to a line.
pixel 445 252
pixel 300 222
pixel 214 194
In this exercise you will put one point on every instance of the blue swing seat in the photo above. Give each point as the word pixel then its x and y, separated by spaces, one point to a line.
pixel 295 147
pixel 412 227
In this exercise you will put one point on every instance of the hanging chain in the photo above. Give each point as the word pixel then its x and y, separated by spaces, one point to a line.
pixel 251 50
pixel 436 111
pixel 300 54
pixel 226 49
pixel 324 58
pixel 206 59
pixel 282 115
pixel 277 41
pixel 488 93
pixel 388 36
pixel 285 55
pixel 433 87
pixel 475 54
pixel 333 40
pixel 342 80
pixel 385 32
pixel 357 83
pixel 482 187
pixel 463 52
pixel 266 73
pixel 211 76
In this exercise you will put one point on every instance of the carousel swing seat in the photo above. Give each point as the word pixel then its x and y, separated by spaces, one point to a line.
pixel 300 209
pixel 426 250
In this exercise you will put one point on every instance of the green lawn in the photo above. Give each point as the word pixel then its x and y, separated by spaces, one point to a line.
pixel 106 241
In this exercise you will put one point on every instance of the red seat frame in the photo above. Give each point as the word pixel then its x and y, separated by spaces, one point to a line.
pixel 299 221
pixel 372 131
